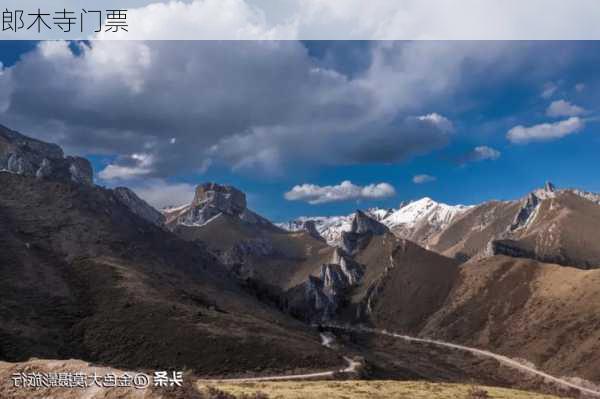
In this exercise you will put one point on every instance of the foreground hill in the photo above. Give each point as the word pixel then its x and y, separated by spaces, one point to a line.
pixel 83 276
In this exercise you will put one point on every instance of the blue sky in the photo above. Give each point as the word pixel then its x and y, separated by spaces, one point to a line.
pixel 161 117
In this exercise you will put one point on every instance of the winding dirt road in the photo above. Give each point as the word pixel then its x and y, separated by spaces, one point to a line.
pixel 478 352
pixel 351 368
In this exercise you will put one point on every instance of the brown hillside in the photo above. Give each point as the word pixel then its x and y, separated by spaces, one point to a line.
pixel 562 228
pixel 547 314
pixel 81 276
pixel 403 283
pixel 272 256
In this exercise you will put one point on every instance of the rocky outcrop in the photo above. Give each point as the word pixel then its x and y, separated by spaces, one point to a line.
pixel 525 214
pixel 26 156
pixel 352 270
pixel 510 248
pixel 220 198
pixel 310 227
pixel 139 206
pixel 210 201
pixel 363 228
pixel 324 295
pixel 363 224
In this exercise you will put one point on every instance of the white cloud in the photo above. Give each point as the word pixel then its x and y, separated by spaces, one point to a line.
pixel 141 165
pixel 240 120
pixel 160 193
pixel 438 120
pixel 484 152
pixel 548 90
pixel 480 153
pixel 579 87
pixel 5 87
pixel 357 19
pixel 421 179
pixel 381 113
pixel 346 190
pixel 545 131
pixel 560 108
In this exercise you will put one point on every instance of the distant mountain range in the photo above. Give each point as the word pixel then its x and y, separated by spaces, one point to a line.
pixel 533 226
pixel 415 220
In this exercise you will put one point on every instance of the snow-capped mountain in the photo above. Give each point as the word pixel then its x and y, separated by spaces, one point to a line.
pixel 416 220
pixel 419 220
pixel 329 227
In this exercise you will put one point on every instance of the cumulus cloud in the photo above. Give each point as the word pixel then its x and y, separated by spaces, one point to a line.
pixel 560 108
pixel 480 153
pixel 346 190
pixel 548 90
pixel 438 120
pixel 545 131
pixel 258 105
pixel 357 19
pixel 141 164
pixel 422 179
pixel 205 19
pixel 160 193
pixel 484 152
pixel 252 106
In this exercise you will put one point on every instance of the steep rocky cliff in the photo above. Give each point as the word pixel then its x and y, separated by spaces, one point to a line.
pixel 26 156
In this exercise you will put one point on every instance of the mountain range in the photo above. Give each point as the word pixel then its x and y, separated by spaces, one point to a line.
pixel 417 220
pixel 98 274
pixel 548 224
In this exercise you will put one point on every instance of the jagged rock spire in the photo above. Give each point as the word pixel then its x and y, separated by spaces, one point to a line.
pixel 549 187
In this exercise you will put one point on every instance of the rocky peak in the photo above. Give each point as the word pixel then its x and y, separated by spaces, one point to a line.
pixel 362 223
pixel 363 228
pixel 548 191
pixel 138 206
pixel 210 201
pixel 311 228
pixel 224 199
pixel 23 155
pixel 528 207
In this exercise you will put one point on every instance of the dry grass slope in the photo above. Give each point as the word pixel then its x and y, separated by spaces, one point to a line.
pixel 372 390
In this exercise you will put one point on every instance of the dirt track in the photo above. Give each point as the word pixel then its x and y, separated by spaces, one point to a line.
pixel 478 352
pixel 351 368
